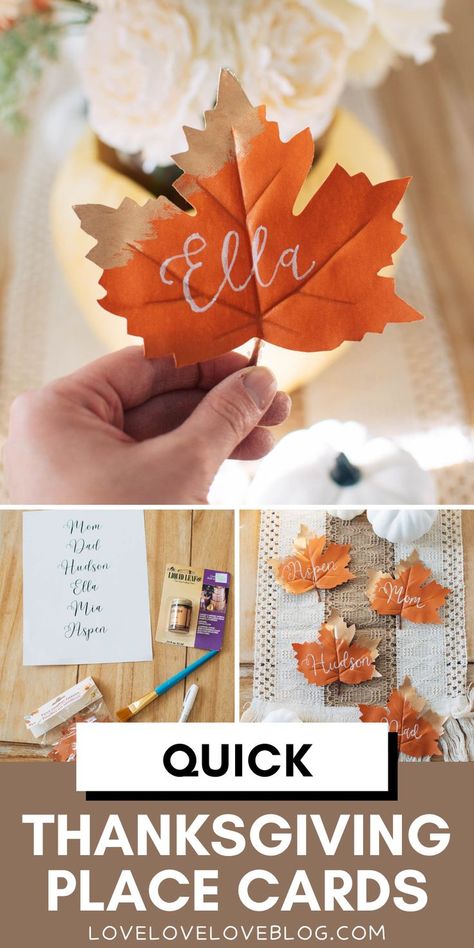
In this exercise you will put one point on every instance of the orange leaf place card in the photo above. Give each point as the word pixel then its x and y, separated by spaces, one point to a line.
pixel 338 654
pixel 242 264
pixel 312 564
pixel 408 715
pixel 408 593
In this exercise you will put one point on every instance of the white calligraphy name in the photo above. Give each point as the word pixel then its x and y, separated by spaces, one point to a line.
pixel 347 662
pixel 410 733
pixel 288 259
pixel 397 594
pixel 294 570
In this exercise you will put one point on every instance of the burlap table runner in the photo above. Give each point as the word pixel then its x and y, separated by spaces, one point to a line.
pixel 368 551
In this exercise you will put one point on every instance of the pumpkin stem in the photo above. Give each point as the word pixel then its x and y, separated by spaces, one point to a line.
pixel 344 473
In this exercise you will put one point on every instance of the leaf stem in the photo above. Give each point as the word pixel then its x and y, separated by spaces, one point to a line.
pixel 257 347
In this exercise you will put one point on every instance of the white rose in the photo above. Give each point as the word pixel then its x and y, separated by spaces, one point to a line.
pixel 401 28
pixel 352 18
pixel 293 56
pixel 149 68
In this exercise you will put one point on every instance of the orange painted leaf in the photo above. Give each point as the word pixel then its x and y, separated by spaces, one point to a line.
pixel 244 265
pixel 64 751
pixel 335 656
pixel 311 565
pixel 408 593
pixel 409 716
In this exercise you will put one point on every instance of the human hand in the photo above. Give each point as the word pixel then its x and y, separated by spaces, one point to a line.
pixel 130 430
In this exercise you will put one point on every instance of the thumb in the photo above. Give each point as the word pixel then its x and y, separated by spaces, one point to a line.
pixel 227 414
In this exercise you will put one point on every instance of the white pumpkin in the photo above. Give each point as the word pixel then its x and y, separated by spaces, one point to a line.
pixel 338 464
pixel 345 513
pixel 401 526
pixel 281 716
pixel 230 484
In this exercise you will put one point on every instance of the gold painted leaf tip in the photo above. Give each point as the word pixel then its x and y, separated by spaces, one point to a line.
pixel 229 86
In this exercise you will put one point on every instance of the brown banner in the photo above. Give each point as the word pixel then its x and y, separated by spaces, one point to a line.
pixel 33 788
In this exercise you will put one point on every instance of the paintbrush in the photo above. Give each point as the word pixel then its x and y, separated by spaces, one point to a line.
pixel 129 712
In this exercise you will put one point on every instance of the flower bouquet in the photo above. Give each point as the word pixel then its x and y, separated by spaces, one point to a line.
pixel 150 67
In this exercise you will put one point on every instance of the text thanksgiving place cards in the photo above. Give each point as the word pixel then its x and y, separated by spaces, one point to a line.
pixel 85 588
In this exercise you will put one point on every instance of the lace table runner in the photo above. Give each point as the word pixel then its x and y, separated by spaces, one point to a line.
pixel 434 656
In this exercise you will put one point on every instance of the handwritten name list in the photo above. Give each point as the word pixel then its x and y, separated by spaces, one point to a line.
pixel 85 587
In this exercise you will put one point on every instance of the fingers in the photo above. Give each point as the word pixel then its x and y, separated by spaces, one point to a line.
pixel 224 419
pixel 161 414
pixel 166 412
pixel 255 446
pixel 132 378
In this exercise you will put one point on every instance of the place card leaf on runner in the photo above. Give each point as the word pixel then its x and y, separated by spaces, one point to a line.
pixel 407 714
pixel 410 593
pixel 312 564
pixel 338 654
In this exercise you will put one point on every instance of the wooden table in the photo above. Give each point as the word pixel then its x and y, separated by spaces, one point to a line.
pixel 249 537
pixel 428 114
pixel 201 538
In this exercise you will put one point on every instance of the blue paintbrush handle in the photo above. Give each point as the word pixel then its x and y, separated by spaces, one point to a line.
pixel 160 689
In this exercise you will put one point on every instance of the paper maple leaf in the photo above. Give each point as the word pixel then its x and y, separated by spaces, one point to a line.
pixel 407 593
pixel 244 265
pixel 407 713
pixel 310 566
pixel 336 657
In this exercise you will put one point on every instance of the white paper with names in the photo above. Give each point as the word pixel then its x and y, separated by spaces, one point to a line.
pixel 85 587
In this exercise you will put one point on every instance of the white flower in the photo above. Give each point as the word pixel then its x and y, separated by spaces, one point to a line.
pixel 293 56
pixel 149 68
pixel 400 28
pixel 152 66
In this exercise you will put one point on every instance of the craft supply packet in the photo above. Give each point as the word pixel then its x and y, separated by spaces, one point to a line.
pixel 54 723
pixel 193 607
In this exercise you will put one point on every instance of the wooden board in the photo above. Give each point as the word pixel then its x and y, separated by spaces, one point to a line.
pixel 202 538
pixel 249 537
pixel 215 533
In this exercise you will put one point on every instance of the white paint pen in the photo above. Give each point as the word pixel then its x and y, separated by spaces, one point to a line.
pixel 188 703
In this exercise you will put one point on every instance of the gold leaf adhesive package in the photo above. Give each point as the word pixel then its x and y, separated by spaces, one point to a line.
pixel 193 607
